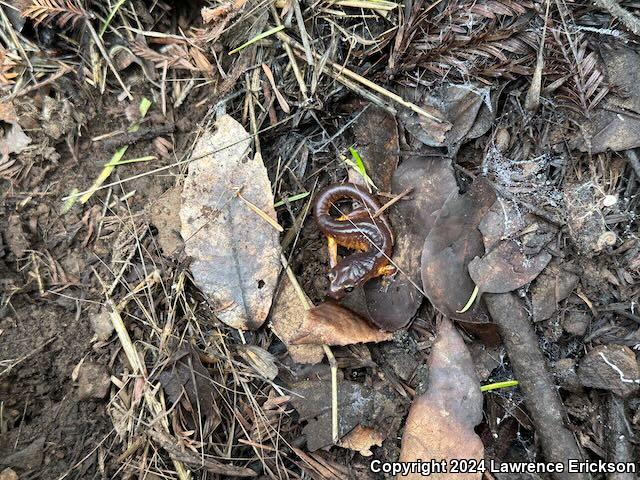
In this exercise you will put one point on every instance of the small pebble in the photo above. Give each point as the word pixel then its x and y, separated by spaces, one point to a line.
pixel 8 474
pixel 102 326
pixel 502 140
pixel 609 200
pixel 93 381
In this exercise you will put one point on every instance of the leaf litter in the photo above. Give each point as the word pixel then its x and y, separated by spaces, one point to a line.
pixel 438 99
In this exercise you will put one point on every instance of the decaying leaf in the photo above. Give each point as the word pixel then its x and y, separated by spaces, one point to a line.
pixel 615 125
pixel 14 141
pixel 554 285
pixel 287 316
pixel 361 439
pixel 452 243
pixel 331 324
pixel 441 422
pixel 376 135
pixel 235 251
pixel 391 306
pixel 187 381
pixel 506 267
pixel 357 405
pixel 501 222
pixel 514 244
pixel 260 360
pixel 467 111
pixel 8 112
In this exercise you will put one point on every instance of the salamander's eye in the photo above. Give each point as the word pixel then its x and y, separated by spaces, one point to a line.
pixel 348 289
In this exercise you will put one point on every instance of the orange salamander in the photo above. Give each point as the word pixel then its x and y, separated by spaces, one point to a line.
pixel 371 238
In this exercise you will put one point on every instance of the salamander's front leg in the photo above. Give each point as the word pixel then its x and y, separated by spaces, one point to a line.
pixel 333 251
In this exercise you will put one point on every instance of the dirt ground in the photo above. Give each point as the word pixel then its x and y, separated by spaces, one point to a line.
pixel 537 103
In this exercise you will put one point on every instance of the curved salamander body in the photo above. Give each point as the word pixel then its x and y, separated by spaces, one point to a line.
pixel 372 238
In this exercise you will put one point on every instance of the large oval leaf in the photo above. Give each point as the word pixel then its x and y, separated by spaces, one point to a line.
pixel 431 182
pixel 452 243
pixel 236 253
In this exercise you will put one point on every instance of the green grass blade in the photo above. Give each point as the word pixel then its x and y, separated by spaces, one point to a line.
pixel 257 38
pixel 292 198
pixel 497 385
pixel 112 13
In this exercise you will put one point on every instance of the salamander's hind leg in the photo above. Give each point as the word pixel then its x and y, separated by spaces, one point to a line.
pixel 387 271
pixel 333 251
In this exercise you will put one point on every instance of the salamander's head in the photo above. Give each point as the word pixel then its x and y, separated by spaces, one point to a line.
pixel 347 275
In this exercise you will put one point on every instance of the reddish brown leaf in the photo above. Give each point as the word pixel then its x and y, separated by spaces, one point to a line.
pixel 441 422
pixel 287 316
pixel 452 243
pixel 331 324
pixel 431 182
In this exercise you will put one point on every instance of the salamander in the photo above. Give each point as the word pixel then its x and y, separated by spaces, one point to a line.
pixel 371 238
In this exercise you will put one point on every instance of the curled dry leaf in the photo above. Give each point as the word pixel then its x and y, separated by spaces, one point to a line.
pixel 441 422
pixel 451 244
pixel 187 381
pixel 358 404
pixel 236 253
pixel 467 111
pixel 361 439
pixel 331 324
pixel 431 182
pixel 287 316
pixel 260 360
pixel 506 268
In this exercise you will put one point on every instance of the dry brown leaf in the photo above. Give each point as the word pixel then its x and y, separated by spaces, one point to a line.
pixel 287 315
pixel 361 439
pixel 431 182
pixel 554 285
pixel 376 134
pixel 7 75
pixel 8 112
pixel 506 268
pixel 210 15
pixel 331 324
pixel 188 382
pixel 260 360
pixel 236 253
pixel 465 109
pixel 441 422
pixel 201 61
pixel 452 243
pixel 614 124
